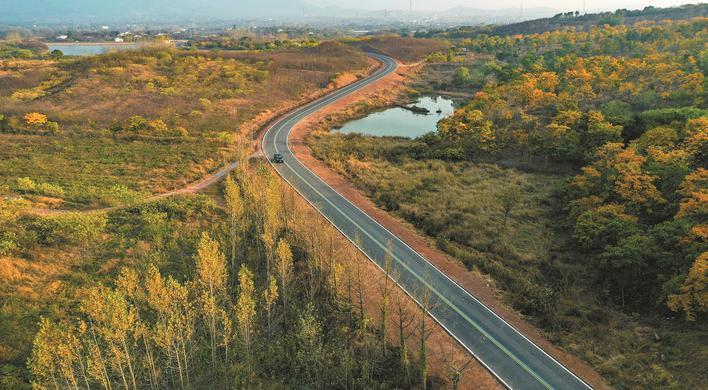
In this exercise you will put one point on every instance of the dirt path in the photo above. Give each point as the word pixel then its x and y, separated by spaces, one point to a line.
pixel 481 287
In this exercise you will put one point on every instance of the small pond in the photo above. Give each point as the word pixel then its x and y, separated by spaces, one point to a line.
pixel 89 49
pixel 402 122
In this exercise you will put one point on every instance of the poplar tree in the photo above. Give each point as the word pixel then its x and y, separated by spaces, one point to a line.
pixel 405 320
pixel 270 296
pixel 114 321
pixel 426 304
pixel 211 281
pixel 55 356
pixel 246 308
pixel 359 289
pixel 385 290
pixel 284 270
pixel 271 210
pixel 236 209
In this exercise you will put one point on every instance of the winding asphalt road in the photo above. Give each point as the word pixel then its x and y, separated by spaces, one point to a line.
pixel 516 361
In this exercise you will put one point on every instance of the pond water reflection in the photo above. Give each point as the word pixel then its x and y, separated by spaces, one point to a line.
pixel 401 122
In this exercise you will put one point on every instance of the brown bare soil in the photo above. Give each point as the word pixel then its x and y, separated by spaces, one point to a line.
pixel 477 284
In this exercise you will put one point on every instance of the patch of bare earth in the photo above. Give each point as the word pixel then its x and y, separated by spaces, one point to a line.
pixel 388 89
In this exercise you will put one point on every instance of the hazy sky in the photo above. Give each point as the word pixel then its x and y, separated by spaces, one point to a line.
pixel 497 4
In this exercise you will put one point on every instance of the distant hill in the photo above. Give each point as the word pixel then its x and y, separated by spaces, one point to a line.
pixel 577 21
pixel 81 11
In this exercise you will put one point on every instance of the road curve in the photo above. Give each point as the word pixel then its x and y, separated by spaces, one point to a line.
pixel 516 361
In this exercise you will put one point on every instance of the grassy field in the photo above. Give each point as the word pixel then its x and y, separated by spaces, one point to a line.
pixel 531 257
pixel 145 121
pixel 103 170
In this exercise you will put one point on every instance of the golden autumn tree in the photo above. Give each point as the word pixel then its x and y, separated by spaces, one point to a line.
pixel 694 192
pixel 696 141
pixel 246 308
pixel 174 328
pixel 270 296
pixel 113 321
pixel 35 119
pixel 284 270
pixel 470 127
pixel 211 280
pixel 618 172
pixel 235 208
pixel 272 204
pixel 56 360
pixel 693 296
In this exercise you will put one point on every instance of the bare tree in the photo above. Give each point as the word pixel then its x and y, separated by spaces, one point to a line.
pixel 426 304
pixel 454 368
pixel 385 288
pixel 405 320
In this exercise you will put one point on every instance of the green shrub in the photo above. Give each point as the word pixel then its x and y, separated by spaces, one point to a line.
pixel 666 116
pixel 52 127
pixel 65 229
pixel 135 124
pixel 117 195
pixel 25 184
pixel 8 242
pixel 29 186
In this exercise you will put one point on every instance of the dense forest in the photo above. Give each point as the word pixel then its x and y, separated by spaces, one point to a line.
pixel 576 178
pixel 629 105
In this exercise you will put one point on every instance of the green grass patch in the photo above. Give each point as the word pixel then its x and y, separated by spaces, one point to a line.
pixel 89 170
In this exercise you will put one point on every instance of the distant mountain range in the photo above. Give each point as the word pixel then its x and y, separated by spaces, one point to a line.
pixel 102 11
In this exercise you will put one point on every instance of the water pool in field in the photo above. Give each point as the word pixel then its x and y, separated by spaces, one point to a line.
pixel 400 122
pixel 89 50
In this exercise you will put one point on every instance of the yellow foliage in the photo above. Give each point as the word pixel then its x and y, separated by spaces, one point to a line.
pixel 700 232
pixel 246 303
pixel 35 119
pixel 211 266
pixel 695 194
pixel 357 166
pixel 696 135
pixel 693 296
pixel 157 125
pixel 622 169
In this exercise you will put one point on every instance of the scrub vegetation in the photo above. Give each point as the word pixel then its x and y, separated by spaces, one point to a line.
pixel 145 121
pixel 407 50
pixel 576 178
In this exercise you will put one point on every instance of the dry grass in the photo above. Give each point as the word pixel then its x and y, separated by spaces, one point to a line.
pixel 211 95
pixel 407 50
